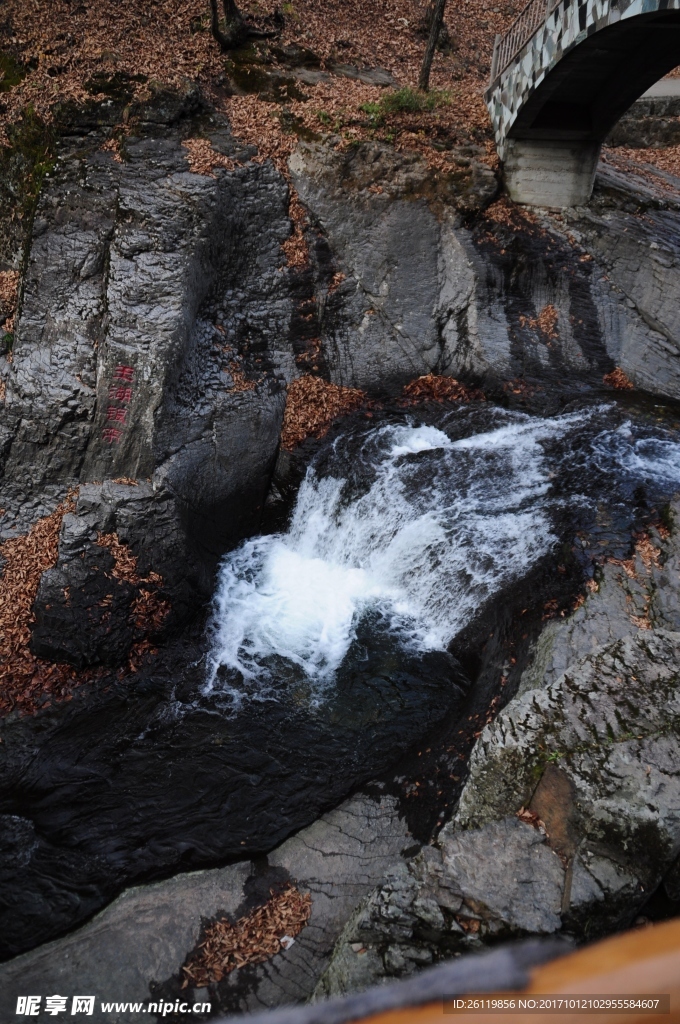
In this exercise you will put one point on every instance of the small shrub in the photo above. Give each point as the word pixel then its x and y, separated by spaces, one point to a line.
pixel 405 100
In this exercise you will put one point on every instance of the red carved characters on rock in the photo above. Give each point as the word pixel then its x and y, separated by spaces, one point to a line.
pixel 119 391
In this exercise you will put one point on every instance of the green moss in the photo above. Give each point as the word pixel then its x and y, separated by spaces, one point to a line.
pixel 405 100
pixel 7 342
pixel 23 166
pixel 11 72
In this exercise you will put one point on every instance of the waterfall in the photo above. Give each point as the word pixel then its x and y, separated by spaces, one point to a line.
pixel 415 527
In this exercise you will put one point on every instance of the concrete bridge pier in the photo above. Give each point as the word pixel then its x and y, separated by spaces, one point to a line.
pixel 545 172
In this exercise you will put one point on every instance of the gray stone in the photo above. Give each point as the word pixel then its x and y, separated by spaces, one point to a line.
pixel 129 364
pixel 622 603
pixel 610 723
pixel 408 278
pixel 593 754
pixel 145 935
pixel 508 883
pixel 548 173
pixel 654 120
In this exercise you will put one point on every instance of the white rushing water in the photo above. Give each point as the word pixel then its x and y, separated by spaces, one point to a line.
pixel 441 527
pixel 646 459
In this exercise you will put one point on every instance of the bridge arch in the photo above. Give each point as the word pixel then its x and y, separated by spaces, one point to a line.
pixel 562 76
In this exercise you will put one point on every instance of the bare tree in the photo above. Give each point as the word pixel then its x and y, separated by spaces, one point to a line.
pixel 435 29
pixel 236 29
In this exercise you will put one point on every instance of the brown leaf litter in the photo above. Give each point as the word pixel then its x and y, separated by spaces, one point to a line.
pixel 112 146
pixel 239 381
pixel 311 406
pixel 9 288
pixel 203 159
pixel 618 379
pixel 533 819
pixel 546 322
pixel 644 161
pixel 26 682
pixel 434 388
pixel 254 938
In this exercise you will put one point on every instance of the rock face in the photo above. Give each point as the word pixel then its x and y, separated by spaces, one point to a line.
pixel 651 121
pixel 570 817
pixel 631 230
pixel 594 758
pixel 630 596
pixel 407 279
pixel 429 288
pixel 123 367
pixel 158 327
pixel 607 729
pixel 138 945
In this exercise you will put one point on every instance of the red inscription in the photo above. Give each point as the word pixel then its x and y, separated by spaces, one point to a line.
pixel 116 414
pixel 111 435
pixel 120 393
pixel 124 373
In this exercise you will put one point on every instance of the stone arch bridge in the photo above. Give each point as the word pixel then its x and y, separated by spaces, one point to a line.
pixel 562 76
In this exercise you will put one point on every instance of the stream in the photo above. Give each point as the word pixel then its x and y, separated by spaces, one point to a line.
pixel 411 529
pixel 420 551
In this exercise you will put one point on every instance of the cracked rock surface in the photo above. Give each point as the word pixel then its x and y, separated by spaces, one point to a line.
pixel 139 943
pixel 570 817
pixel 158 328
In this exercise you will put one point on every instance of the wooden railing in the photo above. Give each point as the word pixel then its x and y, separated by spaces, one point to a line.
pixel 520 32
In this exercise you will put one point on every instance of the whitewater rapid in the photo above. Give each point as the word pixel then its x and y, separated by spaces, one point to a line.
pixel 439 528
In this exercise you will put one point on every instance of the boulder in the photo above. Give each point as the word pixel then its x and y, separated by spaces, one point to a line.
pixel 135 948
pixel 569 820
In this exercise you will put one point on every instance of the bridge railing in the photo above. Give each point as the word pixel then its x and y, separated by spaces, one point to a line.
pixel 520 32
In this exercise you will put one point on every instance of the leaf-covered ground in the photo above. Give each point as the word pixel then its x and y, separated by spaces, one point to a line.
pixel 60 51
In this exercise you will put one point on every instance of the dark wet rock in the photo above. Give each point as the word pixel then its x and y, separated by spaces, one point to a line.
pixel 138 944
pixel 82 611
pixel 85 613
pixel 147 775
pixel 593 756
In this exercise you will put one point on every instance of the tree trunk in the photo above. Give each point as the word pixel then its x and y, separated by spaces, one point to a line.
pixel 236 28
pixel 435 29
pixel 232 15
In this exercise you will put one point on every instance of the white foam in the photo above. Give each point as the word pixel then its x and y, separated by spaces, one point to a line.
pixel 444 525
pixel 652 459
